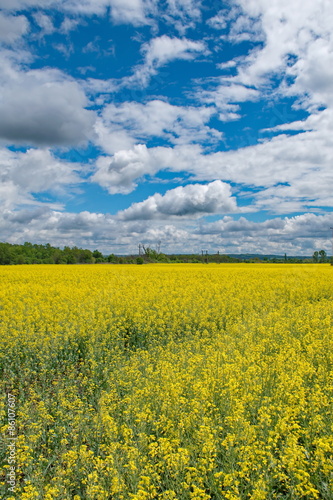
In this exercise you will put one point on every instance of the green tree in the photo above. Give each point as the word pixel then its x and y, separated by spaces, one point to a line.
pixel 5 254
pixel 323 256
pixel 112 258
pixel 98 255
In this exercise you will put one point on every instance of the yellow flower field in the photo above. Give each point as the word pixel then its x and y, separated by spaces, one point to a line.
pixel 167 382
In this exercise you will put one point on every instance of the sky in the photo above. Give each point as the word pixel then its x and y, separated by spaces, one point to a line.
pixel 187 125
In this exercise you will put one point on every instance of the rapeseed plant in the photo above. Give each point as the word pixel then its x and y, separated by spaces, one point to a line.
pixel 168 382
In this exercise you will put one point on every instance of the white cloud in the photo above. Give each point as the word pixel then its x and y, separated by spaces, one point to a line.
pixel 68 24
pixel 34 171
pixel 42 107
pixel 193 200
pixel 162 50
pixel 313 75
pixel 219 21
pixel 65 49
pixel 295 53
pixel 112 138
pixel 12 28
pixel 44 22
pixel 227 96
pixel 290 173
pixel 124 124
pixel 180 13
pixel 299 235
pixel 12 5
pixel 302 233
pixel 288 28
pixel 130 11
pixel 245 26
pixel 121 172
pixel 183 14
pixel 87 7
pixel 188 8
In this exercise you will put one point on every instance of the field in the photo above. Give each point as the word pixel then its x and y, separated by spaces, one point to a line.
pixel 167 382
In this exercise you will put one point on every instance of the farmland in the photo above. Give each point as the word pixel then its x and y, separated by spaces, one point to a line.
pixel 168 382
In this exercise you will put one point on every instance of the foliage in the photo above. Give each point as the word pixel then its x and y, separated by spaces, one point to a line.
pixel 45 254
pixel 320 257
pixel 169 381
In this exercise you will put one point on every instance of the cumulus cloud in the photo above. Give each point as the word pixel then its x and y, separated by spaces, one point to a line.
pixel 44 22
pixel 302 29
pixel 193 200
pixel 12 28
pixel 12 5
pixel 292 54
pixel 226 97
pixel 121 172
pixel 34 171
pixel 68 24
pixel 162 50
pixel 42 107
pixel 126 123
pixel 130 11
pixel 268 166
pixel 80 7
pixel 181 13
pixel 299 235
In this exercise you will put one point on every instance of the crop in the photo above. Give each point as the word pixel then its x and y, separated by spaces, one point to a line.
pixel 167 382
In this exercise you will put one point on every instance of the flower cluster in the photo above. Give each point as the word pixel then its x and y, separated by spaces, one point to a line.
pixel 169 382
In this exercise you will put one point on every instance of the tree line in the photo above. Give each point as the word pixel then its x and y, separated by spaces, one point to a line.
pixel 28 253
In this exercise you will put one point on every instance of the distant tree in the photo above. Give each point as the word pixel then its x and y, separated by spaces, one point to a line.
pixel 162 257
pixel 323 256
pixel 85 256
pixel 139 260
pixel 112 258
pixel 70 258
pixel 150 253
pixel 98 255
pixel 315 256
pixel 5 254
pixel 57 256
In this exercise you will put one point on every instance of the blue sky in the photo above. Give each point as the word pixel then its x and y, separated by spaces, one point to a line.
pixel 183 123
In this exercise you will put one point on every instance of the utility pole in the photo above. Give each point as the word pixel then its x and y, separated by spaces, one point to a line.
pixel 139 249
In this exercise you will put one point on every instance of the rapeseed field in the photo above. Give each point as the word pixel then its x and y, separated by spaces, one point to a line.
pixel 167 382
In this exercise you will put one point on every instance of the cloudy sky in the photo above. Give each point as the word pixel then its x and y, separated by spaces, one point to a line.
pixel 185 123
